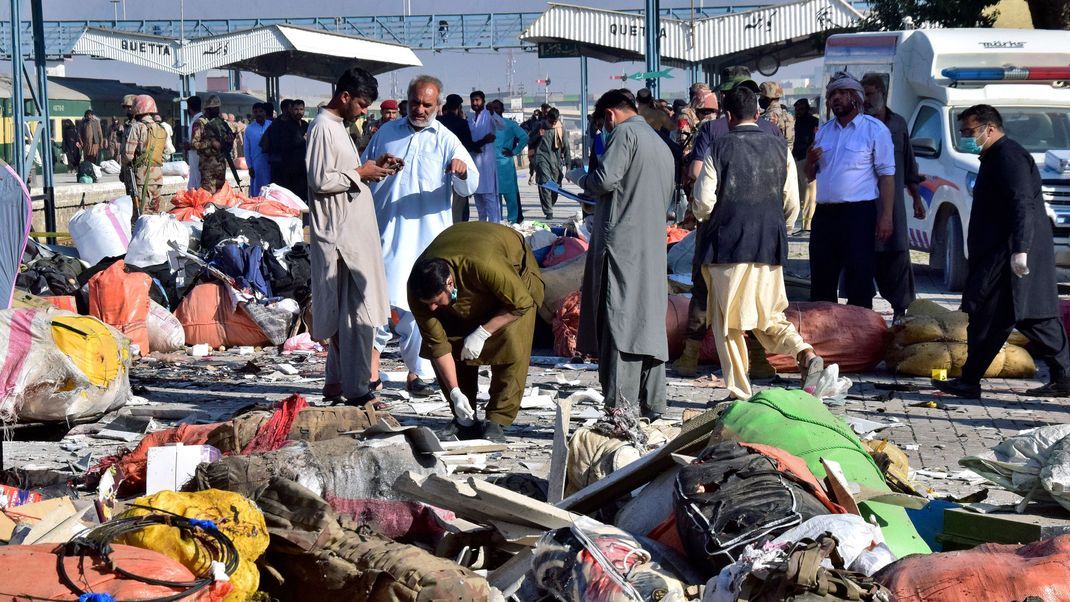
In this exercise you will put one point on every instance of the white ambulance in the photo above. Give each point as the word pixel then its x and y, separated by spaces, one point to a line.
pixel 932 76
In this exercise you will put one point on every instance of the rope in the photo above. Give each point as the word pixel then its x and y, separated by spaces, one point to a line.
pixel 97 544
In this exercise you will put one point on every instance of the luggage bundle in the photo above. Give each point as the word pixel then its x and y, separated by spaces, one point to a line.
pixel 933 337
pixel 732 496
pixel 60 366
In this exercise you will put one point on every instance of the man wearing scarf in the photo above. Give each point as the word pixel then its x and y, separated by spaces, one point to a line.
pixel 853 162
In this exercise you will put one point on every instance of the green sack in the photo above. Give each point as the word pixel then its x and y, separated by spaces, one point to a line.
pixel 800 424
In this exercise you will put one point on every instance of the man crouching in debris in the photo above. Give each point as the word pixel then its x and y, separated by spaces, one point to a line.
pixel 474 293
pixel 746 188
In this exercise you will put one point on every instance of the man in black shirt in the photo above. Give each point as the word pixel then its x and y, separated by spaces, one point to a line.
pixel 1010 281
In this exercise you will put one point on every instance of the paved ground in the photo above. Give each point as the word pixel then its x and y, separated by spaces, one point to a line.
pixel 177 388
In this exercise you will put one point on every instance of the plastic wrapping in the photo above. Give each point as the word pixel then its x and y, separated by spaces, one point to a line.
pixel 593 562
pixel 1033 463
pixel 165 330
pixel 151 244
pixel 102 230
pixel 66 367
pixel 176 168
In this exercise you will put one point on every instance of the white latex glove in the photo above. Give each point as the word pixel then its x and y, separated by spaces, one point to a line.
pixel 473 344
pixel 1020 264
pixel 576 175
pixel 461 408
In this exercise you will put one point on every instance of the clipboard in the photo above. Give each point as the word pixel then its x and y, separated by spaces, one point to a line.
pixel 579 198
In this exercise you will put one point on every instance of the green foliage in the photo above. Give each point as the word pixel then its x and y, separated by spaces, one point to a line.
pixel 891 14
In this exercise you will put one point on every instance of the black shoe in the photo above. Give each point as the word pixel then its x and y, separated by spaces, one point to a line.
pixel 420 388
pixel 1059 388
pixel 456 432
pixel 898 317
pixel 492 431
pixel 958 388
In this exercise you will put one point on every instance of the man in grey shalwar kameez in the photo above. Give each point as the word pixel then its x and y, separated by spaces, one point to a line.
pixel 622 312
pixel 348 281
pixel 893 271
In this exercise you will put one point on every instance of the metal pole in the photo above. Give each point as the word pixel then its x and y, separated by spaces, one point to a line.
pixel 37 14
pixel 583 105
pixel 18 108
pixel 653 43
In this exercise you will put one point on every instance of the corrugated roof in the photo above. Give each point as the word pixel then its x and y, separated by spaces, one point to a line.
pixel 268 50
pixel 691 41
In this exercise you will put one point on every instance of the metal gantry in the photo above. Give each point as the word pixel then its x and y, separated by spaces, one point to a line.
pixel 483 31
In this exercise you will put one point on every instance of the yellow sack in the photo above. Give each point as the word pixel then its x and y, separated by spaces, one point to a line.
pixel 237 518
pixel 922 358
pixel 91 346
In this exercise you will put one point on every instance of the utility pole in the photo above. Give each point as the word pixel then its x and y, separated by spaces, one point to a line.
pixel 653 43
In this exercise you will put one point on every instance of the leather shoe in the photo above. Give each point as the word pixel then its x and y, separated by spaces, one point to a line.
pixel 456 432
pixel 420 388
pixel 958 388
pixel 1058 388
pixel 492 431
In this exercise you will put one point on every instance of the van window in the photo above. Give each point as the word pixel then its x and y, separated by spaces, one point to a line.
pixel 928 125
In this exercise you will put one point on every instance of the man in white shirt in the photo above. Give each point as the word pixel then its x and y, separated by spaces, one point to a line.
pixel 483 124
pixel 413 206
pixel 853 161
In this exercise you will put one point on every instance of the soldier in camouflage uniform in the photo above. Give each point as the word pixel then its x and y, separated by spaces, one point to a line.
pixel 212 139
pixel 771 92
pixel 125 175
pixel 143 152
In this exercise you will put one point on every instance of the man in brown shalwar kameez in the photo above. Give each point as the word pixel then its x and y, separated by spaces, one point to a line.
pixel 348 282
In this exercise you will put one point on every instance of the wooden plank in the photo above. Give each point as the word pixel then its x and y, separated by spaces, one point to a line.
pixel 693 434
pixel 839 487
pixel 482 502
pixel 508 577
pixel 559 459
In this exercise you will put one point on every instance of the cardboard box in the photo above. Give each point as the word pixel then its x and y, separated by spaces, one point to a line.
pixel 170 467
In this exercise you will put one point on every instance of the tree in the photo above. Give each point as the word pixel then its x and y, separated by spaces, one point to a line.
pixel 1050 14
pixel 892 14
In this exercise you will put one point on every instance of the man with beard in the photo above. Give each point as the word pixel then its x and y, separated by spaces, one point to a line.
pixel 894 274
pixel 483 124
pixel 284 143
pixel 413 206
pixel 623 296
pixel 853 161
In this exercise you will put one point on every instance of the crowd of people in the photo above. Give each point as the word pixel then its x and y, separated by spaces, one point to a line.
pixel 393 252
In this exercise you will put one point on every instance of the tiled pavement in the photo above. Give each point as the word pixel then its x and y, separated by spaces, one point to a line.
pixel 933 438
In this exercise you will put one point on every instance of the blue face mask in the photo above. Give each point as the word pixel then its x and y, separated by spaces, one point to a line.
pixel 453 294
pixel 972 145
pixel 969 145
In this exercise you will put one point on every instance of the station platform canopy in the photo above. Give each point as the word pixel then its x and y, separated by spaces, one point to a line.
pixel 768 36
pixel 270 51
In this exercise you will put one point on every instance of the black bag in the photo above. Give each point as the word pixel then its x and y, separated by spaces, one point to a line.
pixel 85 169
pixel 59 271
pixel 731 497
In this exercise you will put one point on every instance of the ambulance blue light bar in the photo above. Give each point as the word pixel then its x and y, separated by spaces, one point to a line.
pixel 963 74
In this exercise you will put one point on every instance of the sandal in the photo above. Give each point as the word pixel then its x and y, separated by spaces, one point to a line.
pixel 376 385
pixel 811 372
